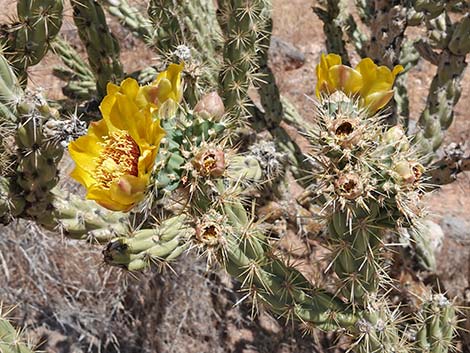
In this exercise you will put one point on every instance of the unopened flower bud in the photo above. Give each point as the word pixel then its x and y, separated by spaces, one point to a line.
pixel 349 186
pixel 404 170
pixel 396 136
pixel 210 106
pixel 210 162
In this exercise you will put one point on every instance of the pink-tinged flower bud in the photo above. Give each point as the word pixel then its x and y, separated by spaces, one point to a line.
pixel 349 186
pixel 210 106
pixel 210 162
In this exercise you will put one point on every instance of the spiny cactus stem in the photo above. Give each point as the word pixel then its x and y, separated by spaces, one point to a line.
pixel 131 18
pixel 333 18
pixel 142 248
pixel 283 289
pixel 72 59
pixel 445 88
pixel 241 23
pixel 102 47
pixel 28 41
pixel 293 118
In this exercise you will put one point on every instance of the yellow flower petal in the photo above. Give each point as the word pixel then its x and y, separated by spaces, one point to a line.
pixel 103 198
pixel 371 83
pixel 83 176
pixel 111 88
pixel 322 70
pixel 344 78
pixel 397 69
pixel 169 85
pixel 129 88
pixel 377 100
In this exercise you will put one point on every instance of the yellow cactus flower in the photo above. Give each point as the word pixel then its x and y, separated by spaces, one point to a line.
pixel 115 158
pixel 167 87
pixel 372 84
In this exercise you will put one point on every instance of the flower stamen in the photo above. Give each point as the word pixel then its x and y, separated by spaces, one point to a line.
pixel 120 156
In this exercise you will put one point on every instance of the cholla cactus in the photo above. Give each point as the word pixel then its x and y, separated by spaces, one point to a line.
pixel 169 168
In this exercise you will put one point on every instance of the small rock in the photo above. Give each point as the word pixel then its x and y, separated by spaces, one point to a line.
pixel 268 323
pixel 457 228
pixel 285 55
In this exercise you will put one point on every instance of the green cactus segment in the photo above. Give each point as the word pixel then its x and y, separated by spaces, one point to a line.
pixel 387 34
pixel 10 90
pixel 27 41
pixel 432 9
pixel 163 14
pixel 242 24
pixel 189 23
pixel 379 330
pixel 188 30
pixel 10 94
pixel 273 104
pixel 244 253
pixel 145 247
pixel 365 9
pixel 184 135
pixel 37 153
pixel 101 45
pixel 357 255
pixel 11 205
pixel 38 158
pixel 445 88
pixel 78 74
pixel 268 90
pixel 437 326
pixel 293 117
pixel 370 180
pixel 333 18
pixel 422 239
pixel 78 219
pixel 12 340
pixel 131 18
pixel 409 58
